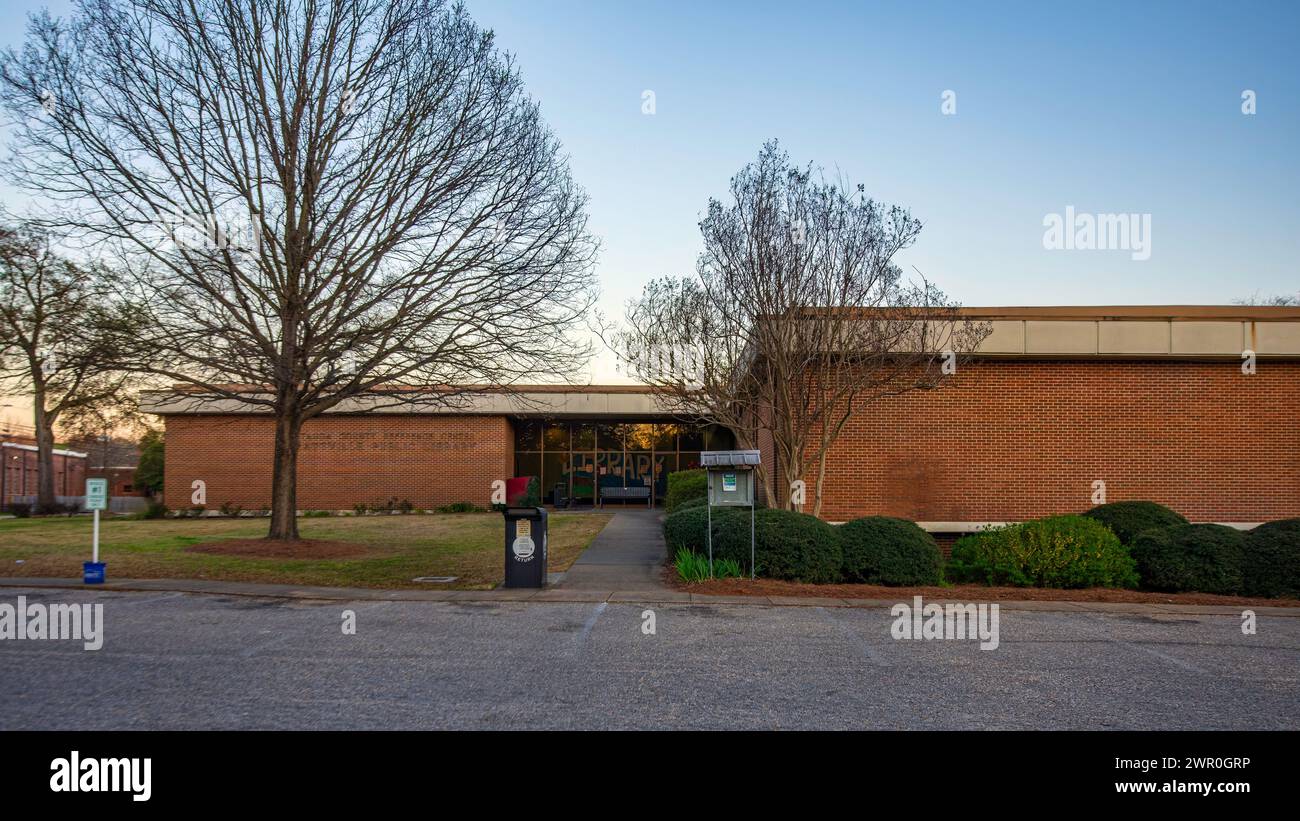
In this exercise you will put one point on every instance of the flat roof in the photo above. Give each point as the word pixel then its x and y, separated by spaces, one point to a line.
pixel 1262 313
pixel 1265 313
pixel 1060 332
pixel 614 402
pixel 75 454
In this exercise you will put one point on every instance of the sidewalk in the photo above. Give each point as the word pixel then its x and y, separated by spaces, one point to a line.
pixel 560 594
pixel 628 554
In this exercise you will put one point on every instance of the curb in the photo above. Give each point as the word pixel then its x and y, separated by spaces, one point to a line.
pixel 558 595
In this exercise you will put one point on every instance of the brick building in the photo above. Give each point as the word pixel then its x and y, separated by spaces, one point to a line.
pixel 582 439
pixel 121 480
pixel 20 471
pixel 1152 401
pixel 115 459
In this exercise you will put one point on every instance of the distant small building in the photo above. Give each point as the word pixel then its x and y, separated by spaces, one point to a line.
pixel 121 480
pixel 115 458
pixel 20 476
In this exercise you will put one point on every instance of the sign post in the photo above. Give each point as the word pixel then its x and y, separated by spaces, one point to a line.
pixel 96 500
pixel 730 475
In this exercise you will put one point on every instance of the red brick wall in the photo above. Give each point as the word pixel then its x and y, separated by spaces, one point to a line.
pixel 1005 440
pixel 121 481
pixel 23 466
pixel 343 460
pixel 1010 440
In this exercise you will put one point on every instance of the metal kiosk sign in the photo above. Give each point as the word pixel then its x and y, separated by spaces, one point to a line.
pixel 96 500
pixel 730 484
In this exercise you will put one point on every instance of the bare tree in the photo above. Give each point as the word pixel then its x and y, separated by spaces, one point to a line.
pixel 1272 300
pixel 323 200
pixel 58 342
pixel 796 319
pixel 109 430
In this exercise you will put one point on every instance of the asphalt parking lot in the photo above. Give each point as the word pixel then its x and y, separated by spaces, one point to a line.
pixel 186 661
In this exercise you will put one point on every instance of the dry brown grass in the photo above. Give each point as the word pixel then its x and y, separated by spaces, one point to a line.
pixel 399 548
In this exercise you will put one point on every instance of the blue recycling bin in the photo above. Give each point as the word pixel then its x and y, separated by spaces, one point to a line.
pixel 93 572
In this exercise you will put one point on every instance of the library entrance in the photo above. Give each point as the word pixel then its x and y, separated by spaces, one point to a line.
pixel 575 460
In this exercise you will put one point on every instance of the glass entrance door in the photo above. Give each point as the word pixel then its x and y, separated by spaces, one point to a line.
pixel 574 459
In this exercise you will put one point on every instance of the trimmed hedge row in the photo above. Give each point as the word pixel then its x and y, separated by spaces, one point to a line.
pixel 1175 556
pixel 790 545
pixel 1129 519
pixel 798 547
pixel 698 501
pixel 1209 558
pixel 684 529
pixel 787 545
pixel 684 486
pixel 1204 558
pixel 1272 562
pixel 1058 551
pixel 888 551
pixel 1163 553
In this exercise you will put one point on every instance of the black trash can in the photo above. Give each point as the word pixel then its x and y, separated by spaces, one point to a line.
pixel 525 546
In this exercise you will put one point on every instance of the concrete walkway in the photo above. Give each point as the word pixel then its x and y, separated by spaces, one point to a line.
pixel 628 555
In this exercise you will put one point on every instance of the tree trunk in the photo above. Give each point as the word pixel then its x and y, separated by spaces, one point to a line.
pixel 828 437
pixel 763 491
pixel 821 481
pixel 45 496
pixel 791 471
pixel 284 479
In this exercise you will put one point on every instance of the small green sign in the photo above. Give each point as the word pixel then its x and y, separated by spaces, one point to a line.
pixel 728 482
pixel 96 494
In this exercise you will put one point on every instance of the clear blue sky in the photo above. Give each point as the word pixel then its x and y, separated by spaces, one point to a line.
pixel 1109 107
pixel 1124 107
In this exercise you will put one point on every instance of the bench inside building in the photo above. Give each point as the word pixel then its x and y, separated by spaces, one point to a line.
pixel 625 494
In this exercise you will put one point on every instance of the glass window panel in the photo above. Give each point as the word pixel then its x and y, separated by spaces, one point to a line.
pixel 609 469
pixel 528 434
pixel 608 437
pixel 557 436
pixel 555 472
pixel 639 437
pixel 584 477
pixel 665 437
pixel 688 461
pixel 584 437
pixel 638 470
pixel 665 463
pixel 528 464
pixel 692 437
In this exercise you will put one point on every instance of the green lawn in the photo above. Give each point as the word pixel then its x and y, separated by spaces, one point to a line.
pixel 467 545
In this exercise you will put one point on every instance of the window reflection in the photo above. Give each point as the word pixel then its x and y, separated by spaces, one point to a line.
pixel 609 437
pixel 639 437
pixel 572 460
pixel 692 438
pixel 528 434
pixel 665 437
pixel 557 436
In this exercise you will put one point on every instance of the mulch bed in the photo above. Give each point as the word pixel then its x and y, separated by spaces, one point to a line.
pixel 277 549
pixel 963 592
